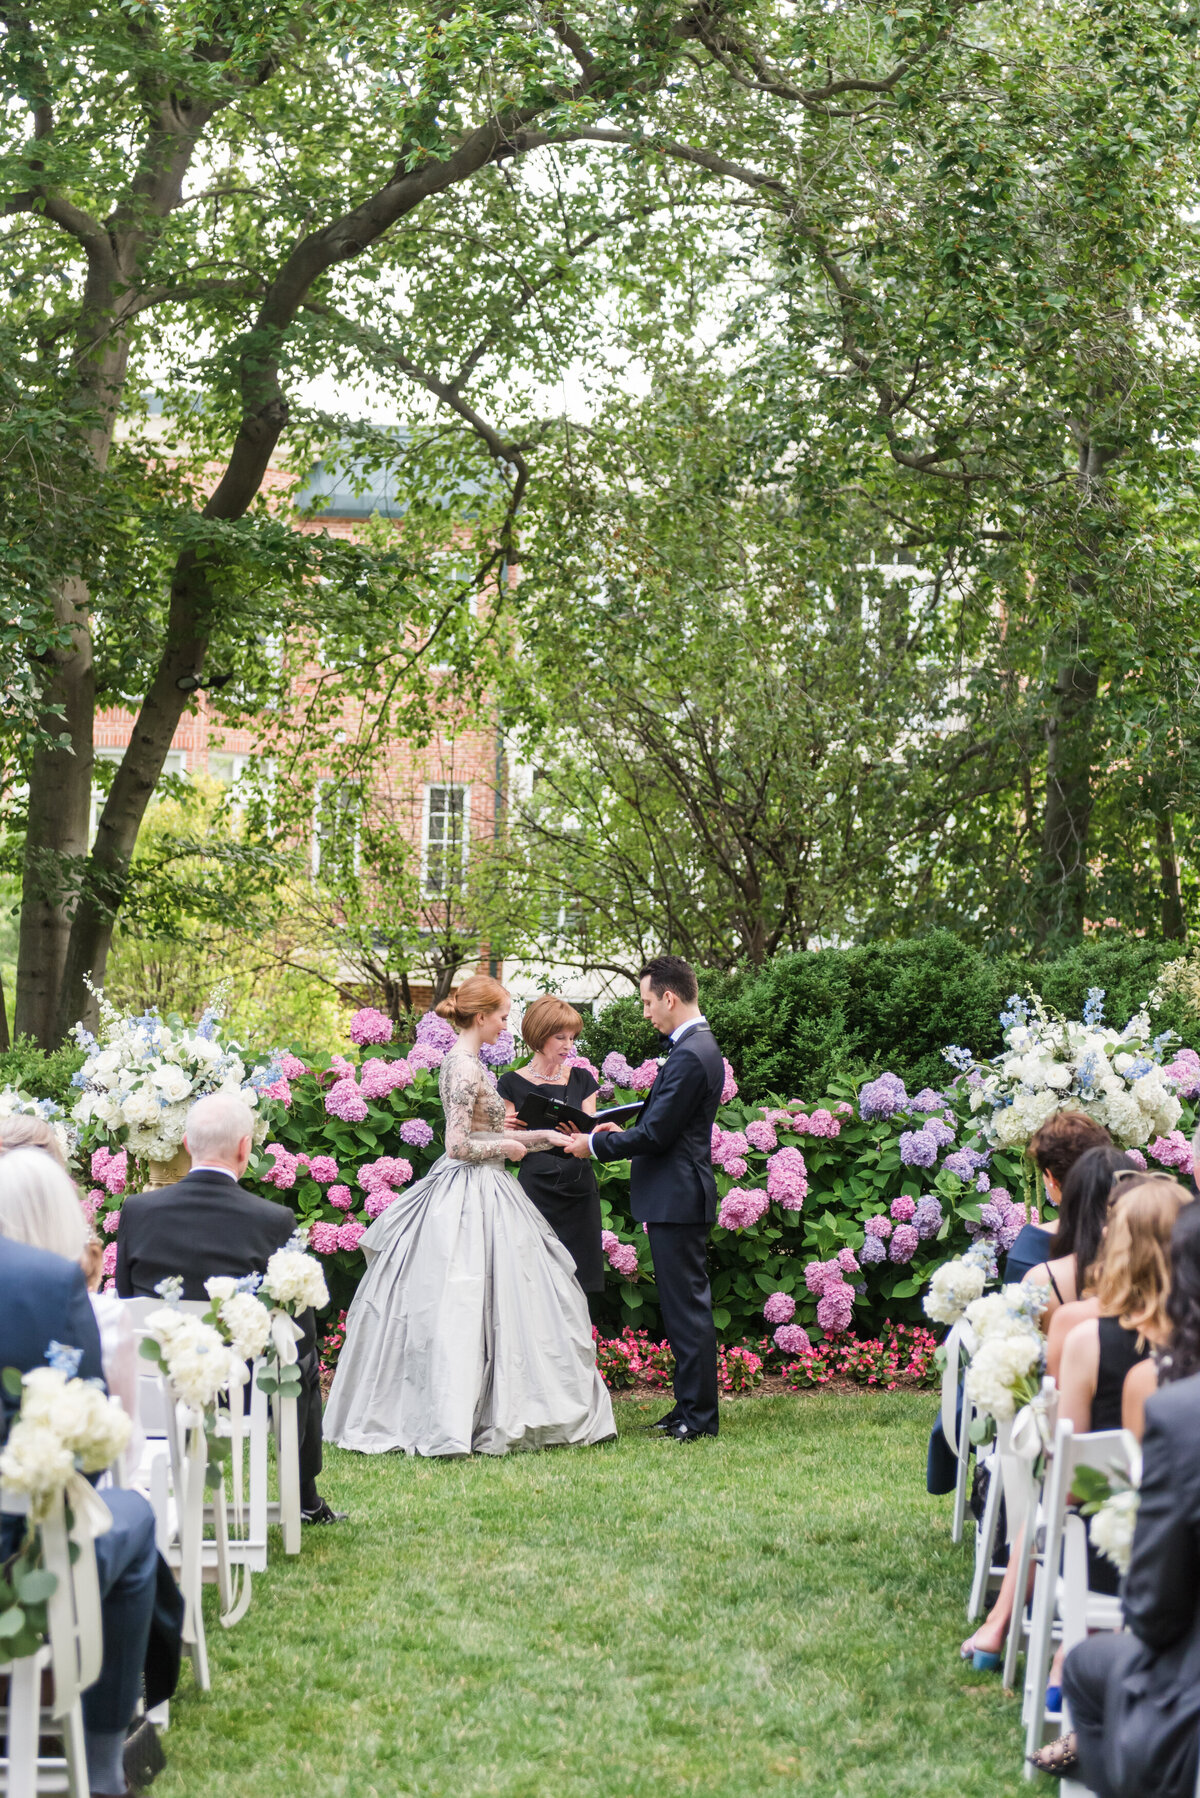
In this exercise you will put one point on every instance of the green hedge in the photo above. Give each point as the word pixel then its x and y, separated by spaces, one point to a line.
pixel 42 1076
pixel 804 1022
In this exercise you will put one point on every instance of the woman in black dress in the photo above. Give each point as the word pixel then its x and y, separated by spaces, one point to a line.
pixel 563 1189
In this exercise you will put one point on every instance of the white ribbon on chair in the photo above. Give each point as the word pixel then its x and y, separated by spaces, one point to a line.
pixel 234 1580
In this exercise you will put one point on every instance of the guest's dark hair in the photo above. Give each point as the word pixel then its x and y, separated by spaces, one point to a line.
pixel 1182 1354
pixel 1083 1209
pixel 1063 1138
pixel 670 973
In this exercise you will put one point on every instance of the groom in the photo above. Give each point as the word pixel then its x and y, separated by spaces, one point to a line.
pixel 673 1191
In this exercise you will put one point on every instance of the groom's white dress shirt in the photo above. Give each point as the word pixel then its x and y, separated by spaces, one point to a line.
pixel 680 1030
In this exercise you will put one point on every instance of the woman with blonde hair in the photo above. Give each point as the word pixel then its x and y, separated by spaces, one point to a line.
pixel 563 1189
pixel 25 1130
pixel 468 1333
pixel 39 1204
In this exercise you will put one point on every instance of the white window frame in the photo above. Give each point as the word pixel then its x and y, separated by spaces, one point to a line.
pixel 430 890
pixel 356 854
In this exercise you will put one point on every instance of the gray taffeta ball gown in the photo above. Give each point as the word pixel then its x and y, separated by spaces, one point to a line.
pixel 469 1333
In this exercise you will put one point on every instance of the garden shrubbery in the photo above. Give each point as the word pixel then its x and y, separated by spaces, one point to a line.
pixel 803 1022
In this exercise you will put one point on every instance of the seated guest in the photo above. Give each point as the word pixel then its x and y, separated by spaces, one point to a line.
pixel 1135 1697
pixel 24 1130
pixel 39 1204
pixel 209 1224
pixel 1118 1324
pixel 1082 1215
pixel 1180 1359
pixel 43 1299
pixel 1056 1147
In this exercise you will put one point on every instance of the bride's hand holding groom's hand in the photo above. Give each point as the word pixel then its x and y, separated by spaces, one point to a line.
pixel 577 1143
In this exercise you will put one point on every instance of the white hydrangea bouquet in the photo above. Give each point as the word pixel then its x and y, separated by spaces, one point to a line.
pixel 65 1427
pixel 256 1314
pixel 1113 1508
pixel 144 1072
pixel 959 1282
pixel 15 1100
pixel 1009 1355
pixel 1050 1063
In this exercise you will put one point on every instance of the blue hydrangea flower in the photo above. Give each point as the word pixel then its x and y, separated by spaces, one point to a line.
pixel 1017 1013
pixel 64 1359
pixel 959 1058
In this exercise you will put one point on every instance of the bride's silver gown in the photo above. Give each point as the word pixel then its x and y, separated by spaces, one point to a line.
pixel 468 1333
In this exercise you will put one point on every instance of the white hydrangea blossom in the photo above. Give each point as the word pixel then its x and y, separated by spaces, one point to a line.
pixel 144 1073
pixel 1112 1526
pixel 957 1283
pixel 295 1280
pixel 199 1364
pixel 248 1323
pixel 1002 1370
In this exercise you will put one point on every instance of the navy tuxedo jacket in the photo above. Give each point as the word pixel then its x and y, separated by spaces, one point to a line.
pixel 669 1148
pixel 43 1299
pixel 205 1225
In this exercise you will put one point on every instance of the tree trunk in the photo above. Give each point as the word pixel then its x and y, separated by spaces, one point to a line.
pixel 56 840
pixel 1173 923
pixel 1068 802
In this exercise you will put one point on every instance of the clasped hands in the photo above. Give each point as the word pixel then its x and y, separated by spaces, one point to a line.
pixel 578 1143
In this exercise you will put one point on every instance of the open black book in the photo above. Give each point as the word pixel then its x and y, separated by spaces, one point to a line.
pixel 538 1111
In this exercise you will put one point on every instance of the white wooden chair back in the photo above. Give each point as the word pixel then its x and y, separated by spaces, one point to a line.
pixel 957 1414
pixel 72 1654
pixel 1063 1596
pixel 987 1571
pixel 1030 1491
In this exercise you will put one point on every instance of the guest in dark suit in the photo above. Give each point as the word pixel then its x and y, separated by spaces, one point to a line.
pixel 44 1299
pixel 209 1224
pixel 1135 1698
pixel 672 1187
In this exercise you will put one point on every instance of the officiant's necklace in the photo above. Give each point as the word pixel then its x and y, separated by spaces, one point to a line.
pixel 538 1073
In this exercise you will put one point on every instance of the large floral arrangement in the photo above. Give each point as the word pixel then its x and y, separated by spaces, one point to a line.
pixel 1050 1062
pixel 143 1073
pixel 1009 1354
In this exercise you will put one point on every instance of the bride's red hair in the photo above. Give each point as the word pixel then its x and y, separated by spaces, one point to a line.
pixel 477 995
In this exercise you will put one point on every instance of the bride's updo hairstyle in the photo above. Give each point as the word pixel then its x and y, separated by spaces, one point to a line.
pixel 477 995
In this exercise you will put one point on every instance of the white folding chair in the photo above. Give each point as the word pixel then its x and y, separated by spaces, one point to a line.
pixel 72 1656
pixel 988 1572
pixel 956 1425
pixel 1027 1502
pixel 1061 1595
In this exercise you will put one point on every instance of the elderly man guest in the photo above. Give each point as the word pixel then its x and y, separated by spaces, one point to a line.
pixel 209 1224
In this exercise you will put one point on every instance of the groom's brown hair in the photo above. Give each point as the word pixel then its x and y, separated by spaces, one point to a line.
pixel 670 973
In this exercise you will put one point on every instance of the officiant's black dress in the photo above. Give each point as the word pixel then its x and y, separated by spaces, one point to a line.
pixel 563 1189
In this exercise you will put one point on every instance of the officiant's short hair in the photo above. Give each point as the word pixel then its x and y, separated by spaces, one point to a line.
pixel 670 973
pixel 545 1018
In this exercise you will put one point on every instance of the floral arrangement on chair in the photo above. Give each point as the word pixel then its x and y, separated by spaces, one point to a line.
pixel 1050 1062
pixel 143 1073
pixel 65 1427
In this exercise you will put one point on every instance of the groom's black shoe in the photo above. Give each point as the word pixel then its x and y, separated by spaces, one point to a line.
pixel 664 1423
pixel 324 1513
pixel 680 1432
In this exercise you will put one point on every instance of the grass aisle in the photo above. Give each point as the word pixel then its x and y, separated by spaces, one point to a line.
pixel 777 1612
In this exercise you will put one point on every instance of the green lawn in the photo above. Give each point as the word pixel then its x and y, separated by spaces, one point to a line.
pixel 775 1612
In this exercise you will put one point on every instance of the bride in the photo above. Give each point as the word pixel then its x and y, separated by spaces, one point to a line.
pixel 468 1333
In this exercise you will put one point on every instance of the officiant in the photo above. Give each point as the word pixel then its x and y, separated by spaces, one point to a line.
pixel 563 1189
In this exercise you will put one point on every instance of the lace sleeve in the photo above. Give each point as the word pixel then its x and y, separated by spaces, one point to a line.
pixel 460 1081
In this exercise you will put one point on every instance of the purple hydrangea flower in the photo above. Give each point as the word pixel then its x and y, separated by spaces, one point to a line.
pixel 903 1245
pixel 918 1148
pixel 499 1053
pixel 926 1100
pixel 927 1219
pixel 962 1164
pixel 872 1251
pixel 416 1133
pixel 940 1131
pixel 880 1098
pixel 879 1225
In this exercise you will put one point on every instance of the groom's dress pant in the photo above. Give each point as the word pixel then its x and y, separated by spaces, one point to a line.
pixel 681 1275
